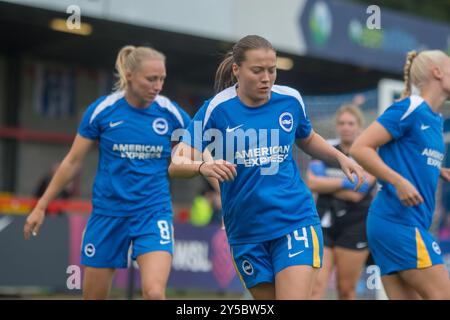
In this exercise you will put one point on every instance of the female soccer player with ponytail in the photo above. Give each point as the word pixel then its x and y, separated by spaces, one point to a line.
pixel 409 139
pixel 269 214
pixel 131 197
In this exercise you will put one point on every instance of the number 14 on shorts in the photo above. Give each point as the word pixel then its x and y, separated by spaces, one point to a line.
pixel 297 237
pixel 303 237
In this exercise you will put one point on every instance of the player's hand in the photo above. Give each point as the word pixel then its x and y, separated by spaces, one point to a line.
pixel 365 186
pixel 350 167
pixel 407 193
pixel 445 174
pixel 34 222
pixel 219 169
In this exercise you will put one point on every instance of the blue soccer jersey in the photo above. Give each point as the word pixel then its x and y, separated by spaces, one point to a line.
pixel 134 151
pixel 416 152
pixel 268 198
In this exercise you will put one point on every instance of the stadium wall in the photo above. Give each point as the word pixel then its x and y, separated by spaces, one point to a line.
pixel 2 109
pixel 215 19
pixel 34 158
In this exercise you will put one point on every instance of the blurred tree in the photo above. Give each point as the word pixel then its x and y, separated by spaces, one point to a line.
pixel 436 10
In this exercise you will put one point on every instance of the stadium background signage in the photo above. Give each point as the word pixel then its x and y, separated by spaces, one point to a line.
pixel 201 261
pixel 337 31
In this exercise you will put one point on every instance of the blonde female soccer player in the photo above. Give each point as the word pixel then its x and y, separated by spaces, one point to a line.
pixel 409 139
pixel 131 197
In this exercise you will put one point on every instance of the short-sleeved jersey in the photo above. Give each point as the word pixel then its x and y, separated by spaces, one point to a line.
pixel 134 152
pixel 416 152
pixel 268 198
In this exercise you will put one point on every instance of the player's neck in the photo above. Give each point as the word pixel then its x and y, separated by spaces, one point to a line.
pixel 434 97
pixel 135 101
pixel 249 102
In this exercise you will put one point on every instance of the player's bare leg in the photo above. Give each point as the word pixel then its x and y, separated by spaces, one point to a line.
pixel 97 283
pixel 155 269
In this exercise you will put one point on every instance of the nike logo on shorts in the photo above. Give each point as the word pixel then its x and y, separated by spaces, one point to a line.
pixel 361 245
pixel 295 254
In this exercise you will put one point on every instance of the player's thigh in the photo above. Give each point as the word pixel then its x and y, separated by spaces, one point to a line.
pixel 155 269
pixel 263 291
pixel 328 263
pixel 297 259
pixel 349 264
pixel 321 283
pixel 397 289
pixel 430 283
pixel 97 283
pixel 295 282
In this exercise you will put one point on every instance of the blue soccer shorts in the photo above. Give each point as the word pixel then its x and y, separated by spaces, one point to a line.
pixel 257 263
pixel 107 240
pixel 396 247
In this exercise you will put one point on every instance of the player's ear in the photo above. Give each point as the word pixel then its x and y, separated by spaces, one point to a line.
pixel 437 72
pixel 235 69
pixel 128 75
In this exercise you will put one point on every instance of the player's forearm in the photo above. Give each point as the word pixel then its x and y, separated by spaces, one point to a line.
pixel 349 195
pixel 369 159
pixel 185 162
pixel 209 158
pixel 187 169
pixel 324 185
pixel 318 148
pixel 63 176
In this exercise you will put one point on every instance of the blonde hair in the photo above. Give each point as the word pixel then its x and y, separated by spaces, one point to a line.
pixel 353 110
pixel 417 70
pixel 129 59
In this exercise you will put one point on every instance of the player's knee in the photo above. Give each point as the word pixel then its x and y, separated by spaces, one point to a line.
pixel 154 293
pixel 87 295
pixel 318 290
pixel 346 290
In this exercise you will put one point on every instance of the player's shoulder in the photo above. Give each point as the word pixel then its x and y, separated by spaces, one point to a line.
pixel 104 103
pixel 288 92
pixel 171 108
pixel 408 106
pixel 292 95
pixel 220 98
pixel 218 101
pixel 107 100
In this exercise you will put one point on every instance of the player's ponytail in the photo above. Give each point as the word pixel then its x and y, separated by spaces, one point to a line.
pixel 121 83
pixel 129 59
pixel 407 73
pixel 224 74
pixel 418 68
